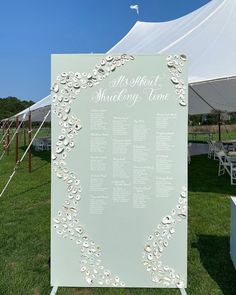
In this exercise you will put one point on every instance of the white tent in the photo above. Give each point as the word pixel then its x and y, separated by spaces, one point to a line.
pixel 38 111
pixel 207 37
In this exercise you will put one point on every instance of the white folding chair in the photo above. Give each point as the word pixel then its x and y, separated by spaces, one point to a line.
pixel 35 142
pixel 224 165
pixel 210 148
pixel 39 146
pixel 233 173
pixel 217 147
pixel 233 147
pixel 48 146
pixel 230 148
pixel 227 164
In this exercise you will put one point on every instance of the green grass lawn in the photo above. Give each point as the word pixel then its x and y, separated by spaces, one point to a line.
pixel 25 232
pixel 215 136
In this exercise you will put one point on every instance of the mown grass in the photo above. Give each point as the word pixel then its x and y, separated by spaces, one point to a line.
pixel 215 136
pixel 25 232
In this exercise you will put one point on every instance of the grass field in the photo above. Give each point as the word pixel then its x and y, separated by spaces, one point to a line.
pixel 228 132
pixel 25 232
pixel 215 136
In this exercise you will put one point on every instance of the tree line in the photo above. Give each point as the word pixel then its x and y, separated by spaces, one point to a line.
pixel 10 106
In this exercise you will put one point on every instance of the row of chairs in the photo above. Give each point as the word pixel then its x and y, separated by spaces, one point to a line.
pixel 41 145
pixel 217 146
pixel 227 162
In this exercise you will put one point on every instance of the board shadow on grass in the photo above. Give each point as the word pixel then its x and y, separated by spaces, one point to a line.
pixel 43 155
pixel 203 177
pixel 215 258
pixel 32 188
pixel 39 167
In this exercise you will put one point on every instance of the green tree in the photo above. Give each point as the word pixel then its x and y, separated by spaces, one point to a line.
pixel 10 106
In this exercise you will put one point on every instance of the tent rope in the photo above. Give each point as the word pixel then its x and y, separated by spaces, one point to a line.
pixel 5 123
pixel 4 135
pixel 202 98
pixel 22 158
pixel 12 137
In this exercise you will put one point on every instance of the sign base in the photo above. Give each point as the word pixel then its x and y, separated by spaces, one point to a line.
pixel 182 292
pixel 54 291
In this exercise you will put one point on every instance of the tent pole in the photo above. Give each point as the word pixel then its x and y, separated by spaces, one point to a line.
pixel 6 145
pixel 24 136
pixel 3 140
pixel 219 125
pixel 6 127
pixel 219 114
pixel 22 158
pixel 8 141
pixel 3 125
pixel 30 136
pixel 17 142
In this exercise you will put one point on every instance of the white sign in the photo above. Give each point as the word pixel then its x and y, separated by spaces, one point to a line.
pixel 119 171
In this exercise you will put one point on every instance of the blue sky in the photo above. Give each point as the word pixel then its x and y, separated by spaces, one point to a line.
pixel 30 31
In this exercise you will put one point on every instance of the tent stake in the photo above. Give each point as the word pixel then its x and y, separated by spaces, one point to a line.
pixel 29 144
pixel 17 142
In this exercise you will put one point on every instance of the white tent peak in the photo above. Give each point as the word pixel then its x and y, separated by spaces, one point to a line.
pixel 215 5
pixel 196 17
pixel 206 37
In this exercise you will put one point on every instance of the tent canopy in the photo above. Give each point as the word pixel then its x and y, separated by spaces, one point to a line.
pixel 206 36
pixel 38 111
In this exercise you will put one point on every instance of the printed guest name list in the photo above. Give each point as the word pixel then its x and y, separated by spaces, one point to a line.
pixel 135 174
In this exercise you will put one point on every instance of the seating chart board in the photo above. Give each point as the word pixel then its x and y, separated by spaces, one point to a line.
pixel 119 171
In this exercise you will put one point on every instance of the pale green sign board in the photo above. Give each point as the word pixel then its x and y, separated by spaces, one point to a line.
pixel 119 171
